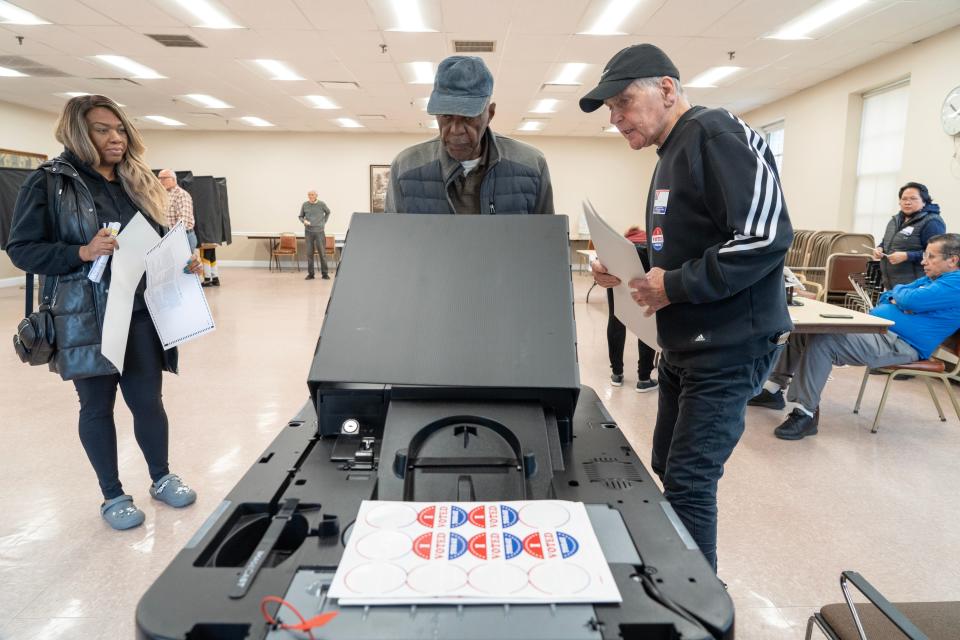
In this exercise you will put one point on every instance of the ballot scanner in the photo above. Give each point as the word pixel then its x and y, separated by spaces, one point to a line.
pixel 446 371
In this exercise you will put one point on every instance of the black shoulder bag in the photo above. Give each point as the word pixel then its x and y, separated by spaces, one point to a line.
pixel 35 340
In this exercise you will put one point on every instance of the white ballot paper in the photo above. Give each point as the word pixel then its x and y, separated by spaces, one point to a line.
pixel 175 299
pixel 526 552
pixel 620 258
pixel 126 270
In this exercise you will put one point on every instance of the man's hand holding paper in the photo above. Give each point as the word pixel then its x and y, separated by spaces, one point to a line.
pixel 649 291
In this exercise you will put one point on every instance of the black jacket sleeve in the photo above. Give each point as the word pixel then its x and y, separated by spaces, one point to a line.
pixel 741 190
pixel 33 246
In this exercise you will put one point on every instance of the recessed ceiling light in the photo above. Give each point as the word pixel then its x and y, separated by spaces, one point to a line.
pixel 609 21
pixel 210 14
pixel 170 122
pixel 73 94
pixel 12 14
pixel 278 70
pixel 422 103
pixel 254 121
pixel 546 105
pixel 611 129
pixel 135 69
pixel 806 23
pixel 203 100
pixel 339 85
pixel 433 124
pixel 408 17
pixel 348 123
pixel 531 125
pixel 321 102
pixel 11 73
pixel 710 77
pixel 570 74
pixel 422 72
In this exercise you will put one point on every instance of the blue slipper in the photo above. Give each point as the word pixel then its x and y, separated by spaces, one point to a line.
pixel 120 513
pixel 170 489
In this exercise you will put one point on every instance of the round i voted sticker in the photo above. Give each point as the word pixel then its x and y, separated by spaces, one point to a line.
pixel 511 546
pixel 457 516
pixel 458 546
pixel 568 544
pixel 508 516
pixel 656 239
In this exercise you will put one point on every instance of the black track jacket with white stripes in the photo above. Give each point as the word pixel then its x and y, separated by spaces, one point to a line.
pixel 718 225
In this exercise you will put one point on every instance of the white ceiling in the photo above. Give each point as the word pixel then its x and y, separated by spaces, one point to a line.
pixel 340 40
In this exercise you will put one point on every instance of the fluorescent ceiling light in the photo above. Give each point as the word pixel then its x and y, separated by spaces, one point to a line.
pixel 611 129
pixel 801 27
pixel 254 121
pixel 609 22
pixel 711 77
pixel 348 123
pixel 433 124
pixel 11 73
pixel 422 72
pixel 209 15
pixel 170 122
pixel 135 69
pixel 12 14
pixel 339 85
pixel 321 102
pixel 422 103
pixel 209 102
pixel 73 94
pixel 570 73
pixel 408 17
pixel 531 125
pixel 546 105
pixel 278 70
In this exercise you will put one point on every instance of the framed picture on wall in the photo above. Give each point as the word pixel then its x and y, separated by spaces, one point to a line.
pixel 10 159
pixel 379 181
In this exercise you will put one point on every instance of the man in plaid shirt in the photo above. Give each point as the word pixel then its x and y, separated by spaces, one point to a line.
pixel 179 205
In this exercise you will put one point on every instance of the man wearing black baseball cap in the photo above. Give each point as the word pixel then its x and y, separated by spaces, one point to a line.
pixel 718 233
pixel 468 169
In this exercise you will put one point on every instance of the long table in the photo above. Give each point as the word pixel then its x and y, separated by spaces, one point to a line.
pixel 809 318
pixel 273 239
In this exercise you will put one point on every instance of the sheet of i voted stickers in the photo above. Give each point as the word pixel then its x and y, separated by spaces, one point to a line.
pixel 523 552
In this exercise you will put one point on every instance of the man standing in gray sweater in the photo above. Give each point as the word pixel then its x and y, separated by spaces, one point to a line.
pixel 313 215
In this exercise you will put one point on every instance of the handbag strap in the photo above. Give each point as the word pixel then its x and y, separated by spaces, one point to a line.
pixel 49 282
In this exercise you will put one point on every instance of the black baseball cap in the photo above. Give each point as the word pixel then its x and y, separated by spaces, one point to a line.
pixel 636 61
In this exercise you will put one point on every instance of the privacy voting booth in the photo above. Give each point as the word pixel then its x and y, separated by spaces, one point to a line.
pixel 445 372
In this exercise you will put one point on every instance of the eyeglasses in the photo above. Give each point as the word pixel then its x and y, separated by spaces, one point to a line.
pixel 931 256
pixel 910 199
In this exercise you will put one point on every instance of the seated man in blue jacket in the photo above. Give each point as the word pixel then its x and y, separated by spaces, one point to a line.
pixel 925 312
pixel 468 169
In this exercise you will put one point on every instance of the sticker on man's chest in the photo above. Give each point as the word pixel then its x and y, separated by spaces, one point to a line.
pixel 660 199
pixel 907 231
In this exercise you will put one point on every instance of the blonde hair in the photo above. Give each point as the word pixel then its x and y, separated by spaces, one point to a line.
pixel 136 177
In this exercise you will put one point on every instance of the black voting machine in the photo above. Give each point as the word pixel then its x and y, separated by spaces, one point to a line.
pixel 446 370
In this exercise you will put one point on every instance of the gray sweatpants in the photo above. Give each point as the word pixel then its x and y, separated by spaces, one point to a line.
pixel 805 364
pixel 316 241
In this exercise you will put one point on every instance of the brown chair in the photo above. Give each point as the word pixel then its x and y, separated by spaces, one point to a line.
pixel 839 268
pixel 330 250
pixel 286 247
pixel 879 619
pixel 944 365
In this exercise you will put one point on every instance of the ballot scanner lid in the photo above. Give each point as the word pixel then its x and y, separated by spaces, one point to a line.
pixel 472 302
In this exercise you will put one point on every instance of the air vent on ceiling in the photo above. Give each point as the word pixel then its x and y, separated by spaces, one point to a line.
pixel 339 85
pixel 175 40
pixel 31 68
pixel 474 46
pixel 371 116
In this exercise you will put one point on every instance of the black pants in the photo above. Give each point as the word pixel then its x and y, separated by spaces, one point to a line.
pixel 617 338
pixel 316 241
pixel 140 384
pixel 699 422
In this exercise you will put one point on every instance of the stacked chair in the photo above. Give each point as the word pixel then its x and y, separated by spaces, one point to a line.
pixel 824 261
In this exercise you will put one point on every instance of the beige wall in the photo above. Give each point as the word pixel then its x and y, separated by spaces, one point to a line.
pixel 269 173
pixel 821 134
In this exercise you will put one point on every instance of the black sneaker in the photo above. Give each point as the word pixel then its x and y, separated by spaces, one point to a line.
pixel 768 400
pixel 798 425
pixel 643 386
pixel 215 282
pixel 309 276
pixel 616 380
pixel 325 277
pixel 206 283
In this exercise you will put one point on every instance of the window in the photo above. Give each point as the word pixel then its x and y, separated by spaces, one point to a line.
pixel 882 126
pixel 773 135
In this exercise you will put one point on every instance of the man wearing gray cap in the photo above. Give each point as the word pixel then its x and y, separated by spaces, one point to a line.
pixel 468 169
pixel 718 233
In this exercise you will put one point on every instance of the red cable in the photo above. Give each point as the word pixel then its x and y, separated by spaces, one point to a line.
pixel 305 625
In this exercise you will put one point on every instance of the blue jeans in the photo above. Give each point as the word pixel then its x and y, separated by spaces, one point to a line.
pixel 699 422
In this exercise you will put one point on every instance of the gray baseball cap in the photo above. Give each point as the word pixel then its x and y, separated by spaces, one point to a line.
pixel 461 88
